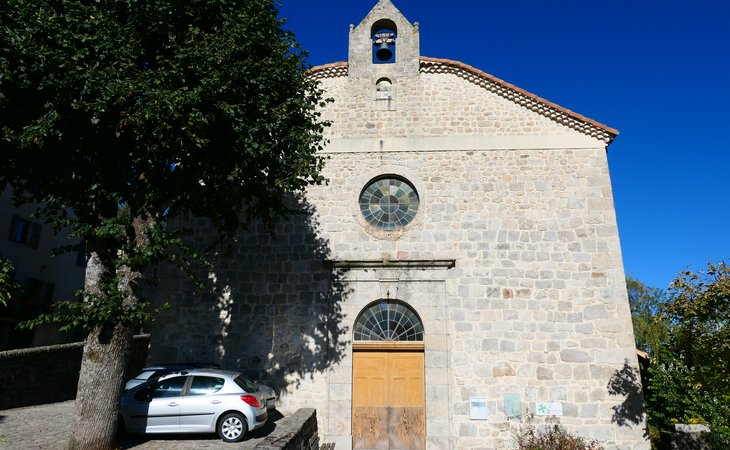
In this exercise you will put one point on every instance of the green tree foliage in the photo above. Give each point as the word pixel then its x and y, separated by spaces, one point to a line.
pixel 673 397
pixel 650 329
pixel 689 377
pixel 131 112
pixel 7 283
pixel 699 310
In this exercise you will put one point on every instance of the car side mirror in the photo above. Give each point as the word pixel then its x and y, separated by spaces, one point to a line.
pixel 145 395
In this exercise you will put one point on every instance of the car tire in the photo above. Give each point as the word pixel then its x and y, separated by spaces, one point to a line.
pixel 232 427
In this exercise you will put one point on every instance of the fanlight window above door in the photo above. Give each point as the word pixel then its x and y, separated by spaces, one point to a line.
pixel 388 320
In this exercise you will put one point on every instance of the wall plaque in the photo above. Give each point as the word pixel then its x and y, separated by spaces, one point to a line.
pixel 478 408
pixel 549 409
pixel 512 405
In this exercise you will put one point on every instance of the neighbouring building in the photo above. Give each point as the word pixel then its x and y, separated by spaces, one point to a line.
pixel 27 241
pixel 461 266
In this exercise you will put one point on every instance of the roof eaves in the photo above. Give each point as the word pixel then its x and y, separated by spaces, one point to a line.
pixel 331 70
pixel 524 98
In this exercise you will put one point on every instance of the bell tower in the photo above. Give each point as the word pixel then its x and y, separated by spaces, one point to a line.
pixel 384 46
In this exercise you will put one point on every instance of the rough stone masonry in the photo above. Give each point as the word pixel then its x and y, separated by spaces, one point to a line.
pixel 512 262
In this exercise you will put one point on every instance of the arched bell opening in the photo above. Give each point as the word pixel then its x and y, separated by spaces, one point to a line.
pixel 384 34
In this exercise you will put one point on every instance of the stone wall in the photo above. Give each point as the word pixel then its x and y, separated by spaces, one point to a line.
pixel 428 105
pixel 513 262
pixel 685 436
pixel 295 432
pixel 39 375
pixel 535 305
pixel 272 310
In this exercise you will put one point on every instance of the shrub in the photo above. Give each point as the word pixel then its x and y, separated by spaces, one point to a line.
pixel 550 436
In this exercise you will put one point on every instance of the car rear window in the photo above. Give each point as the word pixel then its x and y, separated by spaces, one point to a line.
pixel 245 384
pixel 145 375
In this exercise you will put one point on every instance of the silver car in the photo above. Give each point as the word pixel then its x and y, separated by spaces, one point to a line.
pixel 195 401
pixel 154 372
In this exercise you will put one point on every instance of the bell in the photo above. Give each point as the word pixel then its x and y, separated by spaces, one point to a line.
pixel 384 53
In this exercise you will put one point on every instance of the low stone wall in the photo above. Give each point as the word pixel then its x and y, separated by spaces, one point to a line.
pixel 38 375
pixel 295 432
pixel 685 436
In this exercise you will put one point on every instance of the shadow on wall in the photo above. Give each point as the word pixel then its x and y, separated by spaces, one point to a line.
pixel 272 307
pixel 627 383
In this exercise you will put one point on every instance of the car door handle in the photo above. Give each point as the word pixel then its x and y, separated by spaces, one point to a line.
pixel 172 404
pixel 216 402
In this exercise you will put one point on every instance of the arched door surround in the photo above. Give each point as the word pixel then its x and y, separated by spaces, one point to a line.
pixel 388 399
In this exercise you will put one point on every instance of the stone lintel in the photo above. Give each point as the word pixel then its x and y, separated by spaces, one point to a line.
pixel 462 143
pixel 397 264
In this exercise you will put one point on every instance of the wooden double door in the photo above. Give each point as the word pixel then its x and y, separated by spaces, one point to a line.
pixel 388 401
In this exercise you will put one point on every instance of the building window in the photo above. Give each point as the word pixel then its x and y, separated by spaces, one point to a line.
pixel 24 231
pixel 383 89
pixel 39 292
pixel 388 320
pixel 389 203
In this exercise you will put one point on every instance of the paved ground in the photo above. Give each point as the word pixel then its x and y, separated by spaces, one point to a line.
pixel 46 427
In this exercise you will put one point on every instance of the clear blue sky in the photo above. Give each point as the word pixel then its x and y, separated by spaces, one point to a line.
pixel 658 71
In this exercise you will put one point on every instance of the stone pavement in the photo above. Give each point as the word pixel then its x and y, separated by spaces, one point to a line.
pixel 46 427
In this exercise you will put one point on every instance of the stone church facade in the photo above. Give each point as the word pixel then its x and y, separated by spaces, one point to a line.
pixel 461 266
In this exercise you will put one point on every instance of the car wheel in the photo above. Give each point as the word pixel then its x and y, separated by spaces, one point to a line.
pixel 232 427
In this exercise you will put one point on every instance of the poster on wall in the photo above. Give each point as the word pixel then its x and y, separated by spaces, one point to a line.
pixel 512 405
pixel 478 408
pixel 549 409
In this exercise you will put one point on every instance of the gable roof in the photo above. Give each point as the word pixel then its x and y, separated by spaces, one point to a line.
pixel 500 87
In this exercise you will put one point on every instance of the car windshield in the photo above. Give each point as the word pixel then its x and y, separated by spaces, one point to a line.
pixel 245 384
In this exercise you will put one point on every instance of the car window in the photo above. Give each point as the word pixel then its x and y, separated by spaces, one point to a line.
pixel 246 384
pixel 171 387
pixel 206 385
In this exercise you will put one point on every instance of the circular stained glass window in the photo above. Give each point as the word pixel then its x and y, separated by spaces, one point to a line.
pixel 388 320
pixel 389 203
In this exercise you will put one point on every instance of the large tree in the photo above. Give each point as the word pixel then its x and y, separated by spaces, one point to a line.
pixel 698 308
pixel 650 328
pixel 117 115
pixel 688 330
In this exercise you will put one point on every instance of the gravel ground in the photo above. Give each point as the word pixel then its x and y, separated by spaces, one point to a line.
pixel 47 427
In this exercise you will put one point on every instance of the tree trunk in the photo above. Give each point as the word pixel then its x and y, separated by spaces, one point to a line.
pixel 106 352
